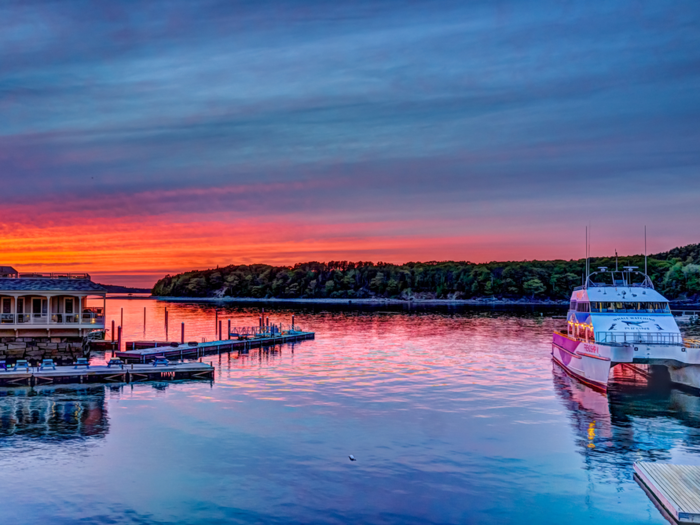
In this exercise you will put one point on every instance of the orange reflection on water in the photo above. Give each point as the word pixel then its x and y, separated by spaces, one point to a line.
pixel 385 355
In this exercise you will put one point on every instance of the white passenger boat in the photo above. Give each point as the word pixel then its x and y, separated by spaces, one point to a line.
pixel 618 317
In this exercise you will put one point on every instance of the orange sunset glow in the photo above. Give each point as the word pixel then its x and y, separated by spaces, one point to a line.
pixel 188 149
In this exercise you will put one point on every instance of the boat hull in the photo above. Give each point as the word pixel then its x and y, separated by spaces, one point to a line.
pixel 588 362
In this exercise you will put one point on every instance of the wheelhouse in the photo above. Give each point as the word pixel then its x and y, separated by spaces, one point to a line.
pixel 620 307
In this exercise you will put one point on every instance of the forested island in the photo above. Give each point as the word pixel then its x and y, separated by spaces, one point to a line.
pixel 675 273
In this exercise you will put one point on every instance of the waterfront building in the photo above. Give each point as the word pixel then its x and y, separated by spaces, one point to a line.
pixel 43 312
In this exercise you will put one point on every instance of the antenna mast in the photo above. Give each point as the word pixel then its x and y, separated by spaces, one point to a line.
pixel 645 250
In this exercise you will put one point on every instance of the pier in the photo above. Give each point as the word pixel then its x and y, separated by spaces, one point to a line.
pixel 127 373
pixel 675 488
pixel 143 352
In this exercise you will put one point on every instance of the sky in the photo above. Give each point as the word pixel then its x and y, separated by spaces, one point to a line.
pixel 145 138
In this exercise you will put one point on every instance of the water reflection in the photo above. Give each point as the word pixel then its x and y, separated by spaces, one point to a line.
pixel 55 414
pixel 452 414
pixel 52 414
pixel 643 417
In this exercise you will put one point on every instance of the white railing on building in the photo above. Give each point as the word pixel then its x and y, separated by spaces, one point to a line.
pixel 89 318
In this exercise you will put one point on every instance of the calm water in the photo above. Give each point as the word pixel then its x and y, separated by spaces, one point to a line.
pixel 453 416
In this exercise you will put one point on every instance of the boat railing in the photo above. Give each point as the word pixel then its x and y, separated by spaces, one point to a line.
pixel 639 337
pixel 621 278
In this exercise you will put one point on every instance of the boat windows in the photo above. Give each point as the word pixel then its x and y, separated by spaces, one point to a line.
pixel 635 308
pixel 583 307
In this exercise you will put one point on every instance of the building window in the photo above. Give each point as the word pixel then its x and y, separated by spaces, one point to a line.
pixel 69 305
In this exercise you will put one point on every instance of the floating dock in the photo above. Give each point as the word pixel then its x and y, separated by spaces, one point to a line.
pixel 138 354
pixel 128 373
pixel 675 487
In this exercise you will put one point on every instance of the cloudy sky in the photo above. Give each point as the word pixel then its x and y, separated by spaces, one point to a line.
pixel 140 138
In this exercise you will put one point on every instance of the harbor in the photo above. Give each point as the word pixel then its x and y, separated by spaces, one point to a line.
pixel 343 383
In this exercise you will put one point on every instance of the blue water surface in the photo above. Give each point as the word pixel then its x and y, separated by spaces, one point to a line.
pixel 454 416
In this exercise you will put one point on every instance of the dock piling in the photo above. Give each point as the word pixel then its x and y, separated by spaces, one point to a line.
pixel 182 334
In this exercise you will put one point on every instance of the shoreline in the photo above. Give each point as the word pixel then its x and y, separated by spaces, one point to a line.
pixel 366 301
pixel 380 302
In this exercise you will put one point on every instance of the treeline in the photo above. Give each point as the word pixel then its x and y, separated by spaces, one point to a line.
pixel 676 274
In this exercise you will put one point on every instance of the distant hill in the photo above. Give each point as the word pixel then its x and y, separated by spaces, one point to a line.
pixel 113 288
pixel 687 254
pixel 675 273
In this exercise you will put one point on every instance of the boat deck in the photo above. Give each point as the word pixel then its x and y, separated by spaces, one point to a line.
pixel 675 487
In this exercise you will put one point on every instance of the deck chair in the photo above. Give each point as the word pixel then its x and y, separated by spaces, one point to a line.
pixel 82 361
pixel 21 363
pixel 47 363
pixel 160 360
pixel 115 362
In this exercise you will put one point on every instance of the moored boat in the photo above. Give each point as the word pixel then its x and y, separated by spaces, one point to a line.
pixel 618 317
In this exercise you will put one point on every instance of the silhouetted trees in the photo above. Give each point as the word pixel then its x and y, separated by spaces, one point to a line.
pixel 676 274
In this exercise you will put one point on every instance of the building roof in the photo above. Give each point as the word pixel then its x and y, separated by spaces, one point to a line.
pixel 50 285
pixel 8 270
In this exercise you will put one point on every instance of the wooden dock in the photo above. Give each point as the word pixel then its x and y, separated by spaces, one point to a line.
pixel 138 354
pixel 129 373
pixel 675 487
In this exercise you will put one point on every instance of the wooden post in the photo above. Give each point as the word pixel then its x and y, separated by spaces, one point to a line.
pixel 216 320
pixel 119 339
pixel 144 320
pixel 182 334
pixel 220 330
pixel 166 324
pixel 229 329
pixel 114 336
pixel 122 319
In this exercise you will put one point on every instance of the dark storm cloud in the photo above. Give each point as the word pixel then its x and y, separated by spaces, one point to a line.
pixel 360 108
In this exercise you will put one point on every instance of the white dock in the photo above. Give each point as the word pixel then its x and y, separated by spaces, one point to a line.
pixel 675 487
